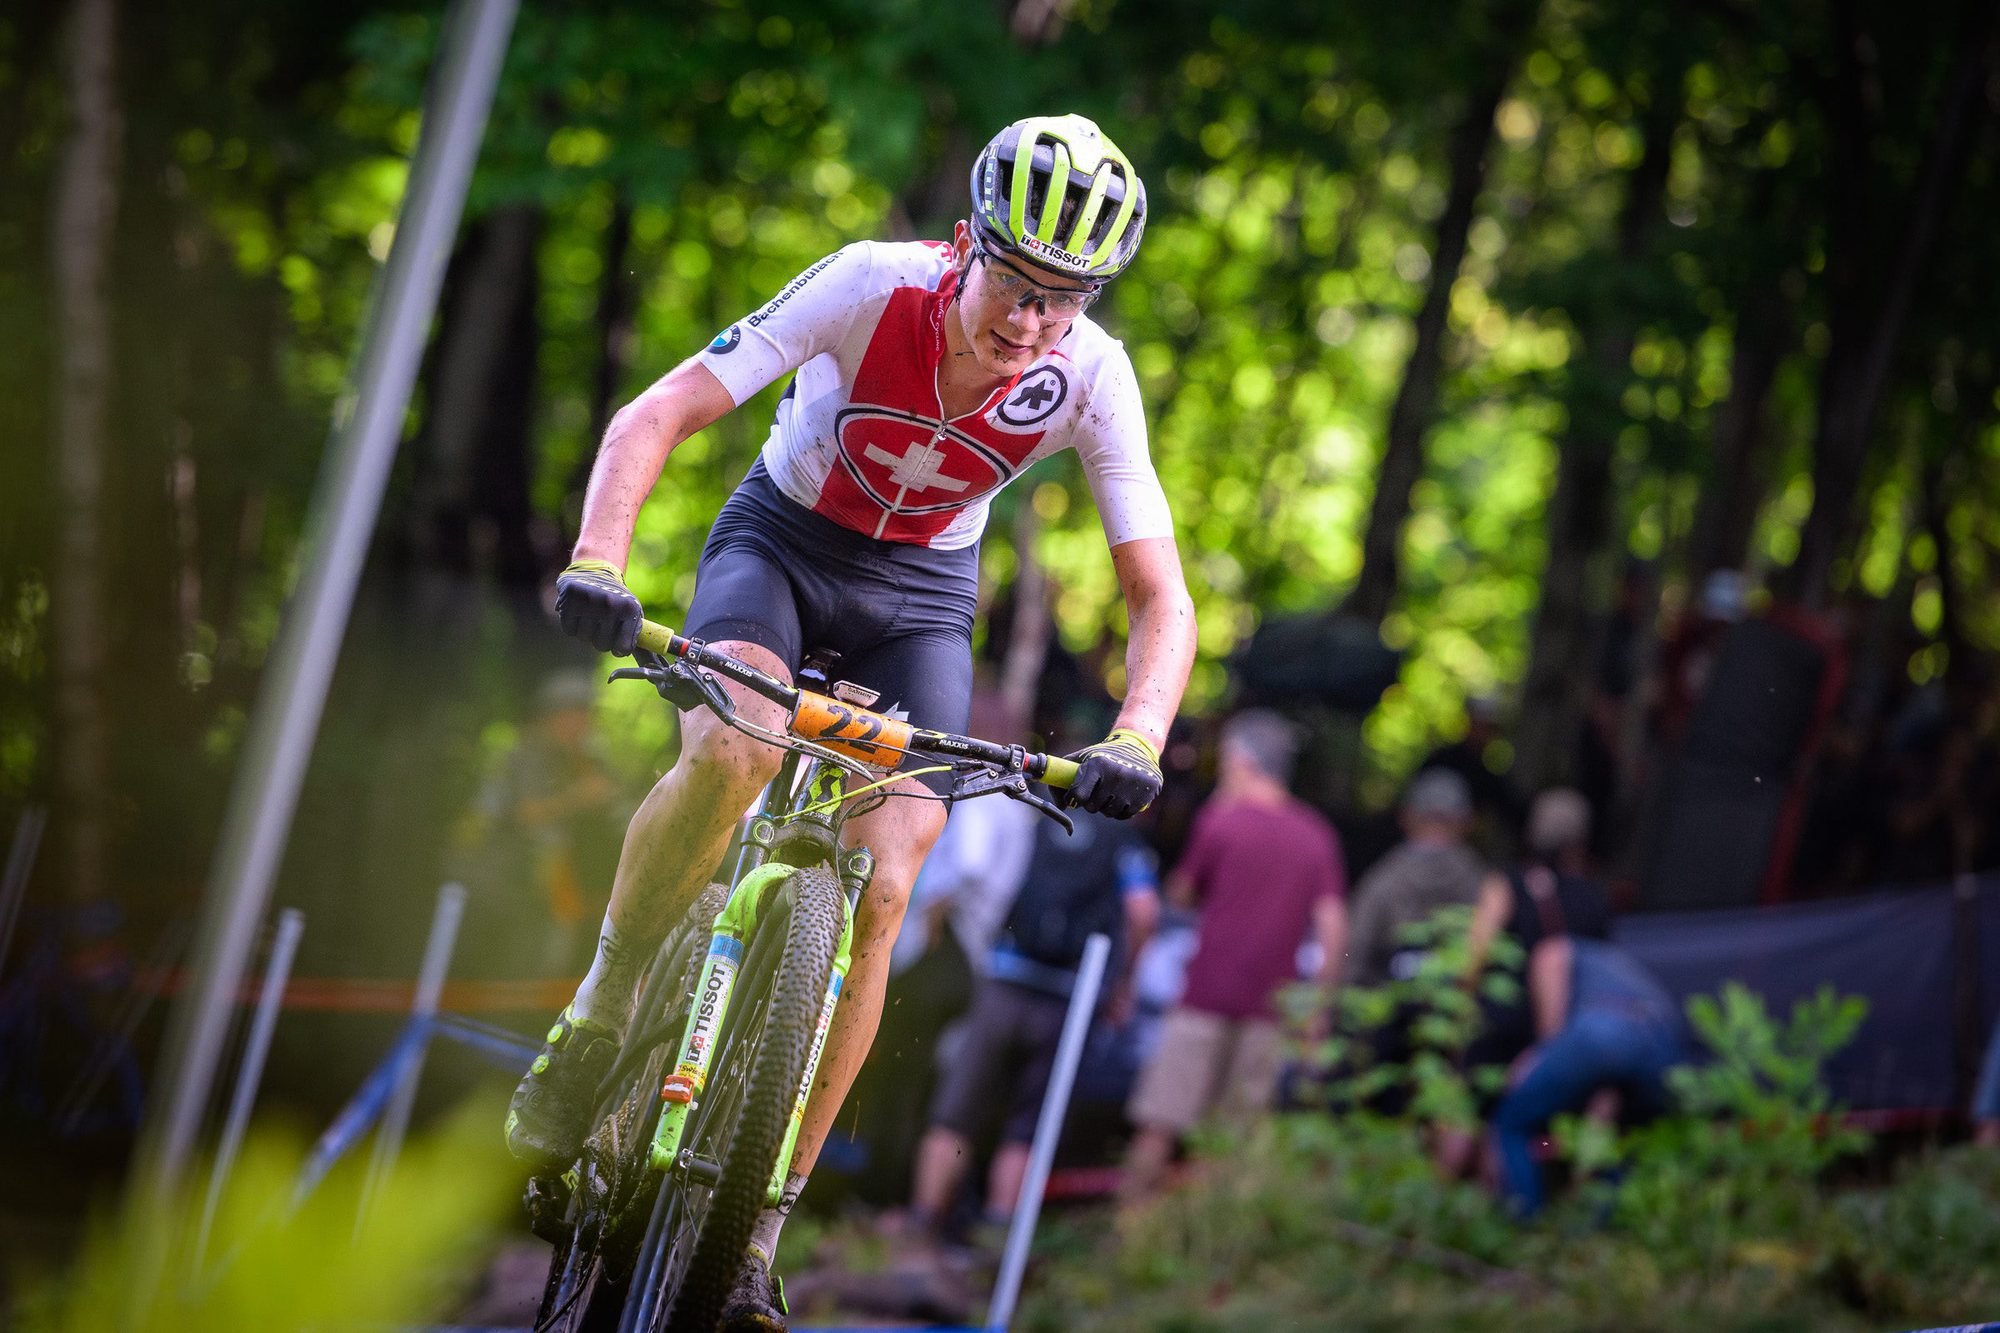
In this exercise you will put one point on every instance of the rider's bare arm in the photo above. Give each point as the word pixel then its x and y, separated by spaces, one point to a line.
pixel 686 399
pixel 1160 652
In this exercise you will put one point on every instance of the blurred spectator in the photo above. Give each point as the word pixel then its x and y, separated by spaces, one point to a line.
pixel 1986 1096
pixel 1550 895
pixel 1604 1022
pixel 1264 867
pixel 1101 879
pixel 1497 808
pixel 956 910
pixel 1552 892
pixel 542 836
pixel 1430 869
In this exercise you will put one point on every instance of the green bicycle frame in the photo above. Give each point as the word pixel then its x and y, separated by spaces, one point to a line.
pixel 825 789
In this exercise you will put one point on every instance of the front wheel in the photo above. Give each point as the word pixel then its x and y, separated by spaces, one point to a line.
pixel 590 1269
pixel 739 1122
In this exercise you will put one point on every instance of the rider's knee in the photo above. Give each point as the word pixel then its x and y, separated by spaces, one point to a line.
pixel 879 913
pixel 735 765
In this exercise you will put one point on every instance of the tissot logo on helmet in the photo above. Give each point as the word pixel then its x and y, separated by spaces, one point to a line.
pixel 1054 254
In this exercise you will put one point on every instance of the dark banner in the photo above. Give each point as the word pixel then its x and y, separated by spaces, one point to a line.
pixel 1896 949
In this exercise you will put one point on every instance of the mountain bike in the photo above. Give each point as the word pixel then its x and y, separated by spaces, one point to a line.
pixel 699 1115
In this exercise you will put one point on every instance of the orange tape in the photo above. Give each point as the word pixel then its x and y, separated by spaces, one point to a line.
pixel 854 732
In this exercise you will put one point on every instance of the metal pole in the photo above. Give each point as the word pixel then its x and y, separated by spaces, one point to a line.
pixel 1048 1129
pixel 423 1008
pixel 20 864
pixel 347 499
pixel 291 924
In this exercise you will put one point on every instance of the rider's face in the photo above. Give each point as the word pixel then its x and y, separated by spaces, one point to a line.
pixel 1005 309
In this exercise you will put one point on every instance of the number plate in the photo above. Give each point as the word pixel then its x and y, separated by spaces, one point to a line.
pixel 854 732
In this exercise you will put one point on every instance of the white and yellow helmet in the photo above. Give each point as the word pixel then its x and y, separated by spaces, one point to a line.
pixel 1055 191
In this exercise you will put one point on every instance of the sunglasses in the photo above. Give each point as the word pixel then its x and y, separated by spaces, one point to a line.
pixel 1056 303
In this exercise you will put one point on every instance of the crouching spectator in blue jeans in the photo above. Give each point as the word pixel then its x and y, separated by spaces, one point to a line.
pixel 1604 1022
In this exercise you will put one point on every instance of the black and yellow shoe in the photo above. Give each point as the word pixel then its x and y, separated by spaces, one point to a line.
pixel 550 1114
pixel 756 1302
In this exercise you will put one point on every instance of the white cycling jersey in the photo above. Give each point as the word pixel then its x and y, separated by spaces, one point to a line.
pixel 860 435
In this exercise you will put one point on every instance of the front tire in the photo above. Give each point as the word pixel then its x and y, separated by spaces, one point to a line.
pixel 590 1270
pixel 760 1060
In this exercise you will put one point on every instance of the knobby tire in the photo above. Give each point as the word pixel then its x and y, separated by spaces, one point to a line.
pixel 587 1283
pixel 767 1041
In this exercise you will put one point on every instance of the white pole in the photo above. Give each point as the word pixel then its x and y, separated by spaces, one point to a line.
pixel 284 947
pixel 1048 1129
pixel 423 1008
pixel 368 426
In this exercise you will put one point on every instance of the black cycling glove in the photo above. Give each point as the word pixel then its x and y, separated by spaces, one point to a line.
pixel 594 605
pixel 1119 776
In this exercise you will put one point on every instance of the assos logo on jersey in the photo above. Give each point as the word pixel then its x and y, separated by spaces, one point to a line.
pixel 907 464
pixel 1035 397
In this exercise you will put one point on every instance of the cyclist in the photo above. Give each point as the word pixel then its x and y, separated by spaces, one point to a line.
pixel 928 376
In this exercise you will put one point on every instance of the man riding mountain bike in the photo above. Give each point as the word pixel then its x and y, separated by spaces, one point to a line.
pixel 928 376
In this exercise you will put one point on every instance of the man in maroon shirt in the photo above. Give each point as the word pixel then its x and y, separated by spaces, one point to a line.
pixel 1265 868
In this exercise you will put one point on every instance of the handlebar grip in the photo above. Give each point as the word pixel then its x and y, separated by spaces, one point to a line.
pixel 1059 772
pixel 656 638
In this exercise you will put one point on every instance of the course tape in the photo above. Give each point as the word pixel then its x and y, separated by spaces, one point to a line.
pixel 391 995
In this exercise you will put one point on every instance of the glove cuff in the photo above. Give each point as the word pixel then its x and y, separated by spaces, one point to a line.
pixel 1123 735
pixel 604 567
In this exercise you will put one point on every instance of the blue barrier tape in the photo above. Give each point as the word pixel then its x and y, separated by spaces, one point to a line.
pixel 500 1046
pixel 362 1110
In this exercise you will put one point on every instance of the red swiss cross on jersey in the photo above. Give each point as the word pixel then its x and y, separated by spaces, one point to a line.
pixel 860 437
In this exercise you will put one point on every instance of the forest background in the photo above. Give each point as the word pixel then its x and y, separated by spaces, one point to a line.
pixel 1445 314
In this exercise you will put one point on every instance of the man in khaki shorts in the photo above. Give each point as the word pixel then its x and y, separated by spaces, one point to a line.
pixel 1265 868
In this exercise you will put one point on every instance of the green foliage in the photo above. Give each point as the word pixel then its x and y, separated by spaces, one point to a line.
pixel 1722 1216
pixel 1442 1015
pixel 1755 1130
pixel 270 1269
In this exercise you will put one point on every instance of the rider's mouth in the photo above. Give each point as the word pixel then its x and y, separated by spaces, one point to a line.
pixel 1008 348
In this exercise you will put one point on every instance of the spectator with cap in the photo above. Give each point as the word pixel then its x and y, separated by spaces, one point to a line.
pixel 1264 868
pixel 1431 869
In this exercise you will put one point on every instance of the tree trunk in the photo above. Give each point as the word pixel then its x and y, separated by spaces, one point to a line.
pixel 1726 511
pixel 1580 529
pixel 1867 328
pixel 473 511
pixel 1416 399
pixel 86 209
pixel 617 301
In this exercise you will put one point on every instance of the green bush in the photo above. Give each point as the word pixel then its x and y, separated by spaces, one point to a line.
pixel 1723 1216
pixel 273 1269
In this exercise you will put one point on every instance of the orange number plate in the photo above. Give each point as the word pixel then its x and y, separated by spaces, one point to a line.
pixel 854 732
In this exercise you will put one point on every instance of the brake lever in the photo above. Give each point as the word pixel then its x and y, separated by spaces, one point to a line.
pixel 1047 807
pixel 682 686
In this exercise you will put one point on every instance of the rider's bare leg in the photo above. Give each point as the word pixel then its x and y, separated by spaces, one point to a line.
pixel 900 833
pixel 678 834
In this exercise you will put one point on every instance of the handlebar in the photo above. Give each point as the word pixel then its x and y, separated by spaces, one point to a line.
pixel 851 730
